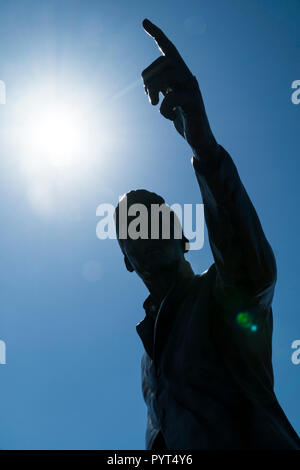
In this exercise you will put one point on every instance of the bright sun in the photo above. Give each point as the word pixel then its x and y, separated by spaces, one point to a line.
pixel 60 132
pixel 52 131
pixel 56 135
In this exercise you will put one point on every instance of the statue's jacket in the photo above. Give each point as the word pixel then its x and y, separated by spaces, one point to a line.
pixel 207 376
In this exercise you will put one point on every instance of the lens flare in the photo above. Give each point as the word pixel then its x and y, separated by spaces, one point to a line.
pixel 245 320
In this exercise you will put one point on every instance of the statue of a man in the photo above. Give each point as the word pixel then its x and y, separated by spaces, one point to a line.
pixel 207 376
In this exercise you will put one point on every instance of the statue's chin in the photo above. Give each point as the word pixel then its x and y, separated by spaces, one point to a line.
pixel 161 265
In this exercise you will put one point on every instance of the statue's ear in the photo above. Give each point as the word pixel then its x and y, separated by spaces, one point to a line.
pixel 127 264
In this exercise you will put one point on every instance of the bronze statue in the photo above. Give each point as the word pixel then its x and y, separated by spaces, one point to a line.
pixel 207 376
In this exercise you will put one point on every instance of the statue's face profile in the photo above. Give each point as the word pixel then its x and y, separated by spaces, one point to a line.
pixel 149 256
pixel 150 234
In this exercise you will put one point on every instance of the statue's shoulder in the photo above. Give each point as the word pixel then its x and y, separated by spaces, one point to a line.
pixel 209 275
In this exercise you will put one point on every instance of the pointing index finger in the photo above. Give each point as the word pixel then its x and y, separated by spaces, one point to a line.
pixel 164 44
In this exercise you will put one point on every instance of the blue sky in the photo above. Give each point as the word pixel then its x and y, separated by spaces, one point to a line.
pixel 68 306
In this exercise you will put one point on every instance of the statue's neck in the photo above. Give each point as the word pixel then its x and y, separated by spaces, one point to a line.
pixel 161 284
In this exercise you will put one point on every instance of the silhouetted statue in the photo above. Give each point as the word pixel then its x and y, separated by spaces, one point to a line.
pixel 207 376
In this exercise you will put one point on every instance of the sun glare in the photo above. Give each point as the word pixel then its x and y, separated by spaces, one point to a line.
pixel 55 135
pixel 60 133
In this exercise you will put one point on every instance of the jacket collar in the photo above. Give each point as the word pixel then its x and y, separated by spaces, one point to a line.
pixel 146 328
pixel 150 307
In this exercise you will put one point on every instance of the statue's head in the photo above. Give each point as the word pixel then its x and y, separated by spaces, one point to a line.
pixel 149 233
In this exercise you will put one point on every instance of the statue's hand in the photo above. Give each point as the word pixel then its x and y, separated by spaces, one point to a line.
pixel 183 102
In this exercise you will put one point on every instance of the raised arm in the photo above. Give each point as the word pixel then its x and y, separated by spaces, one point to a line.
pixel 243 257
pixel 244 260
